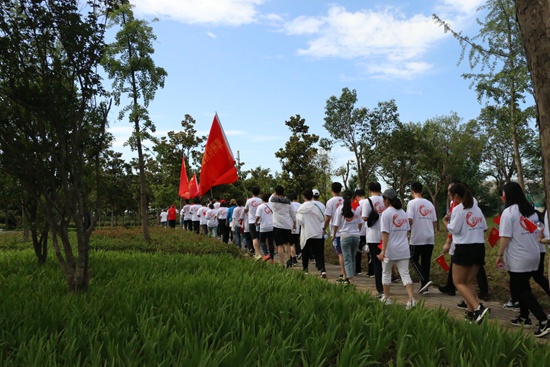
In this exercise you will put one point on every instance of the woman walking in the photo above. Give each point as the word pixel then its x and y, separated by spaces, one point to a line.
pixel 395 246
pixel 347 226
pixel 519 254
pixel 467 225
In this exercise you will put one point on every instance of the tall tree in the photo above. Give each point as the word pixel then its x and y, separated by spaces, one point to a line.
pixel 503 74
pixel 360 130
pixel 52 127
pixel 298 171
pixel 128 61
pixel 533 17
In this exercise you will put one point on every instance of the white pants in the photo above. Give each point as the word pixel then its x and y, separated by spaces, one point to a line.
pixel 402 268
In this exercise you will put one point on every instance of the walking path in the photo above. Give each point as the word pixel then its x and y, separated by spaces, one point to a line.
pixel 434 300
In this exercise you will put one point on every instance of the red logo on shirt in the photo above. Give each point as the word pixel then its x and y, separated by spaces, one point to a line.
pixel 473 221
pixel 267 210
pixel 256 204
pixel 424 211
pixel 379 207
pixel 398 222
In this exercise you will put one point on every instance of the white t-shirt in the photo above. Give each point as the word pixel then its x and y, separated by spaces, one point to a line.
pixel 330 210
pixel 222 213
pixel 373 233
pixel 251 205
pixel 348 226
pixel 284 216
pixel 212 217
pixel 395 223
pixel 163 216
pixel 295 206
pixel 202 215
pixel 186 213
pixel 522 253
pixel 467 225
pixel 363 230
pixel 237 216
pixel 264 214
pixel 194 210
pixel 422 213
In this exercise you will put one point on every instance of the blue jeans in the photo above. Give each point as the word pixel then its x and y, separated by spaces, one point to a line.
pixel 350 244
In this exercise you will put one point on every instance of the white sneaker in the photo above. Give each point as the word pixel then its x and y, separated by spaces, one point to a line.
pixel 411 304
pixel 425 287
pixel 385 300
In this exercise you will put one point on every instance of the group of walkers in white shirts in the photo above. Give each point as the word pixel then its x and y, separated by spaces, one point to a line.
pixel 276 224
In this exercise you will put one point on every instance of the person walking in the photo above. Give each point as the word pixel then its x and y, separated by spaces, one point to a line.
pixel 250 209
pixel 519 254
pixel 310 215
pixel 467 225
pixel 164 218
pixel 423 222
pixel 347 226
pixel 330 210
pixel 264 223
pixel 172 216
pixel 284 221
pixel 394 226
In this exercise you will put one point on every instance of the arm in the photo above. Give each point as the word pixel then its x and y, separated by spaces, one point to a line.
pixel 382 255
pixel 503 244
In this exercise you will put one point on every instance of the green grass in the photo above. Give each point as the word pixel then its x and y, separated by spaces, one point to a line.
pixel 190 301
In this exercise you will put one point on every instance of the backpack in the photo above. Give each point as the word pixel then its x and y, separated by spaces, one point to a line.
pixel 373 215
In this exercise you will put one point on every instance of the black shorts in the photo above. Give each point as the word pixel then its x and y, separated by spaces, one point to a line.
pixel 469 254
pixel 282 236
pixel 253 231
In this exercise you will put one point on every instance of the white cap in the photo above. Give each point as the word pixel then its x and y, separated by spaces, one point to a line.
pixel 316 192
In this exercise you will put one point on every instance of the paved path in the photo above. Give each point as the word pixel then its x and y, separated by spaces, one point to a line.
pixel 433 300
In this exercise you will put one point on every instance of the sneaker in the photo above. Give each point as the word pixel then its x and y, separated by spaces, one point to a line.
pixel 359 273
pixel 323 274
pixel 266 257
pixel 385 301
pixel 447 291
pixel 519 321
pixel 340 280
pixel 462 305
pixel 306 271
pixel 395 279
pixel 294 261
pixel 289 264
pixel 425 287
pixel 271 261
pixel 299 256
pixel 513 306
pixel 380 295
pixel 481 312
pixel 469 316
pixel 426 293
pixel 543 330
pixel 410 304
pixel 258 257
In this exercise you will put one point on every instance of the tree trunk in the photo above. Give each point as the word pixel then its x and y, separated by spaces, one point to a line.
pixel 534 20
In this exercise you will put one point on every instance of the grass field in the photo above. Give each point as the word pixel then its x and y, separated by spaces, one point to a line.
pixel 188 301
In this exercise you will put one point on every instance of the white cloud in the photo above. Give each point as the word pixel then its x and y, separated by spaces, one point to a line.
pixel 384 40
pixel 211 35
pixel 216 12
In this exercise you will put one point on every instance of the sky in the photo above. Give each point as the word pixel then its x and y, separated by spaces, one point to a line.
pixel 259 62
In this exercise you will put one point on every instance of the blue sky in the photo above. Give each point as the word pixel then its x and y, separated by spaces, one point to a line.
pixel 259 62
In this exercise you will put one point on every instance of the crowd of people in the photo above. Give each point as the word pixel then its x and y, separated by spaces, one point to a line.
pixel 277 225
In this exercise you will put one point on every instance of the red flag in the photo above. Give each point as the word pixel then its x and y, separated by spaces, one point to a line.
pixel 441 261
pixel 218 164
pixel 527 224
pixel 354 203
pixel 497 220
pixel 193 188
pixel 493 237
pixel 184 182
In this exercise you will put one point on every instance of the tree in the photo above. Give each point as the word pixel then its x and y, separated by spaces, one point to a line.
pixel 503 77
pixel 128 61
pixel 323 163
pixel 360 130
pixel 52 126
pixel 533 17
pixel 298 171
pixel 398 166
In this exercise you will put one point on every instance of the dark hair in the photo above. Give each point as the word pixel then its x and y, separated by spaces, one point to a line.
pixel 395 202
pixel 240 202
pixel 255 191
pixel 515 195
pixel 359 192
pixel 347 211
pixel 416 187
pixel 308 194
pixel 375 187
pixel 279 190
pixel 211 206
pixel 465 194
pixel 336 187
pixel 265 197
pixel 291 197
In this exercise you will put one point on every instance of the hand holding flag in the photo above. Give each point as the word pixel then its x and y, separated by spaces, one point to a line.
pixel 442 262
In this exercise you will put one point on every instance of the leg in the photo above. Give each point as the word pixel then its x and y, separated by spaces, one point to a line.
pixel 377 266
pixel 463 277
pixel 539 276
